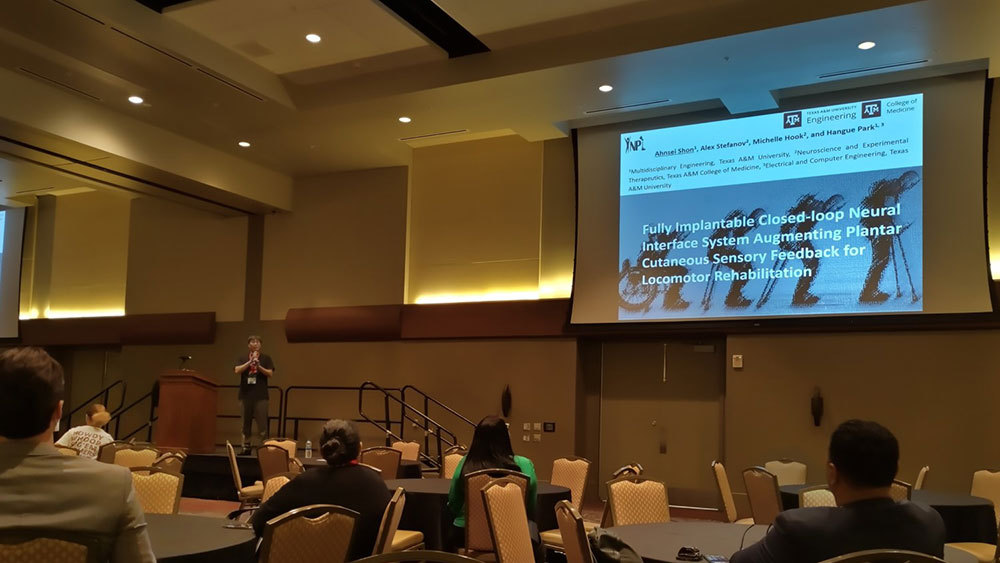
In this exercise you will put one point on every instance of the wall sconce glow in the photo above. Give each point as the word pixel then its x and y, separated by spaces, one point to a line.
pixel 478 297
pixel 244 144
pixel 82 313
pixel 135 99
pixel 313 38
pixel 405 119
pixel 605 88
pixel 865 45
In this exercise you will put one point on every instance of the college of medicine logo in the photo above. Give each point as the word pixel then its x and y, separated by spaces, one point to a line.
pixel 634 144
pixel 871 109
pixel 793 119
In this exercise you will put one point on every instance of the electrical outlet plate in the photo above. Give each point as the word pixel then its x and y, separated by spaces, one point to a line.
pixel 737 361
pixel 526 426
pixel 538 427
pixel 537 437
pixel 525 437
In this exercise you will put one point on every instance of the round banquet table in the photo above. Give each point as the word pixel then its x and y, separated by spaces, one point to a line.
pixel 426 508
pixel 659 543
pixel 966 518
pixel 181 538
pixel 408 468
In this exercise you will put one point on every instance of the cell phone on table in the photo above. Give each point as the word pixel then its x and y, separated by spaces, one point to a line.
pixel 716 558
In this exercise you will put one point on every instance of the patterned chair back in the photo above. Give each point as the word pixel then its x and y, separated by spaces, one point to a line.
pixel 287 444
pixel 986 484
pixel 820 495
pixel 390 522
pixel 574 535
pixel 275 483
pixel 158 490
pixel 66 450
pixel 508 520
pixel 136 456
pixel 31 544
pixel 921 478
pixel 725 491
pixel 318 532
pixel 106 453
pixel 762 491
pixel 273 461
pixel 477 528
pixel 410 450
pixel 787 471
pixel 385 459
pixel 172 462
pixel 450 460
pixel 900 490
pixel 571 472
pixel 634 500
pixel 234 467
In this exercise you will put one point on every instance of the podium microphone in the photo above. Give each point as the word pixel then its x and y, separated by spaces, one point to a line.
pixel 182 359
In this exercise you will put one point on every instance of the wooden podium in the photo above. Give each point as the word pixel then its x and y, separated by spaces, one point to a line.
pixel 186 413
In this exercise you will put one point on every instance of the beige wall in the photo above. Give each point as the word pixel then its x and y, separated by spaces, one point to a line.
pixel 343 245
pixel 184 260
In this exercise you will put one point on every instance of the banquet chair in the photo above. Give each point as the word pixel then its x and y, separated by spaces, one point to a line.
pixel 136 456
pixel 569 472
pixel 574 542
pixel 66 450
pixel 726 492
pixel 819 495
pixel 921 478
pixel 477 528
pixel 289 445
pixel 762 491
pixel 623 471
pixel 246 495
pixel 508 520
pixel 635 500
pixel 385 459
pixel 171 461
pixel 273 461
pixel 43 544
pixel 409 450
pixel 900 490
pixel 275 483
pixel 985 484
pixel 390 537
pixel 106 453
pixel 419 555
pixel 318 532
pixel 787 471
pixel 158 490
pixel 450 460
pixel 884 556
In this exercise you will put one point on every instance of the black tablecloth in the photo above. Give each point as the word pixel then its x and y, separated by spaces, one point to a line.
pixel 426 508
pixel 659 543
pixel 408 468
pixel 966 518
pixel 178 538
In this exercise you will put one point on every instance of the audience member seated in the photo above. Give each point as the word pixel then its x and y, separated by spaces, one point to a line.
pixel 341 482
pixel 39 487
pixel 863 461
pixel 490 449
pixel 88 438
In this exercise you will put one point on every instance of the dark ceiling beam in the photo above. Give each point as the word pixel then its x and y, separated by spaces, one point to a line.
pixel 437 26
pixel 160 5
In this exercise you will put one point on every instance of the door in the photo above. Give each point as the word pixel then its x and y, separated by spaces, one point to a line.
pixel 662 406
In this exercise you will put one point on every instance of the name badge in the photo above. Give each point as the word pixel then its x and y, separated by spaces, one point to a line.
pixel 251 380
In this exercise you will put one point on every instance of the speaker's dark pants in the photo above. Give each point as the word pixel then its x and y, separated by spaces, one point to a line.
pixel 254 410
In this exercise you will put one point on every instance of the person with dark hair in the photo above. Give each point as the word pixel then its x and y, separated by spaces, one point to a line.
pixel 88 438
pixel 343 482
pixel 490 449
pixel 254 369
pixel 41 488
pixel 863 460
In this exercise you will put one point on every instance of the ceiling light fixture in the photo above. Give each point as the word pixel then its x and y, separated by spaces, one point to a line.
pixel 405 119
pixel 605 88
pixel 865 45
pixel 313 38
pixel 244 144
pixel 136 99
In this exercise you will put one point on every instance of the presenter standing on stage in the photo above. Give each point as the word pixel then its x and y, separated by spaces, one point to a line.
pixel 254 369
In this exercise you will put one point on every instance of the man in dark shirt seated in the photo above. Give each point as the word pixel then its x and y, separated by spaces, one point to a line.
pixel 864 458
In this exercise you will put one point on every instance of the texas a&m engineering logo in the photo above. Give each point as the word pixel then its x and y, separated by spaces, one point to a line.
pixel 793 119
pixel 871 109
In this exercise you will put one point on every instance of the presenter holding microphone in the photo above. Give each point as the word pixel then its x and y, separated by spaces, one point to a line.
pixel 254 369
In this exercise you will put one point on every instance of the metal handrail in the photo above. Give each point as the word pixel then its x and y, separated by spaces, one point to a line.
pixel 117 417
pixel 106 392
pixel 427 402
pixel 296 419
pixel 427 421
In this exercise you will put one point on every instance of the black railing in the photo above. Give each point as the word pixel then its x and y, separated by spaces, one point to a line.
pixel 281 410
pixel 66 421
pixel 382 424
pixel 428 401
pixel 114 425
pixel 443 438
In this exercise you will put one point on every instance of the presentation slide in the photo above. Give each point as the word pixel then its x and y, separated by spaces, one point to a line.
pixel 817 211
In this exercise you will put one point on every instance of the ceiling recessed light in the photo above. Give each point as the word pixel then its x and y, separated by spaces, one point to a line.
pixel 865 45
pixel 405 119
pixel 244 144
pixel 605 88
pixel 313 38
pixel 135 99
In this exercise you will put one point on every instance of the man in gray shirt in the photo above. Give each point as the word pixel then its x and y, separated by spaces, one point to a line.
pixel 42 489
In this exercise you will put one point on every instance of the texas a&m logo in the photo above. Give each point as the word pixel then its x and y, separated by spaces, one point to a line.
pixel 793 119
pixel 871 109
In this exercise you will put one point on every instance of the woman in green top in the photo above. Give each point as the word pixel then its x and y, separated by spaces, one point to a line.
pixel 490 449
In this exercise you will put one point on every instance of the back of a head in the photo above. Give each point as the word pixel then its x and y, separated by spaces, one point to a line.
pixel 31 386
pixel 341 443
pixel 97 415
pixel 865 453
pixel 490 447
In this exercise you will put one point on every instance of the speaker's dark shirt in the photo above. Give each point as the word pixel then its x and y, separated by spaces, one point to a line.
pixel 807 535
pixel 257 391
pixel 354 486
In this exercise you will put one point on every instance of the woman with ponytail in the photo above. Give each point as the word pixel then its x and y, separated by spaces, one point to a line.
pixel 89 438
pixel 342 482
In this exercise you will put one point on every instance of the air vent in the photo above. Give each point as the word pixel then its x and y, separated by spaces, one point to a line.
pixel 84 14
pixel 429 135
pixel 153 47
pixel 58 83
pixel 871 69
pixel 629 106
pixel 230 84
